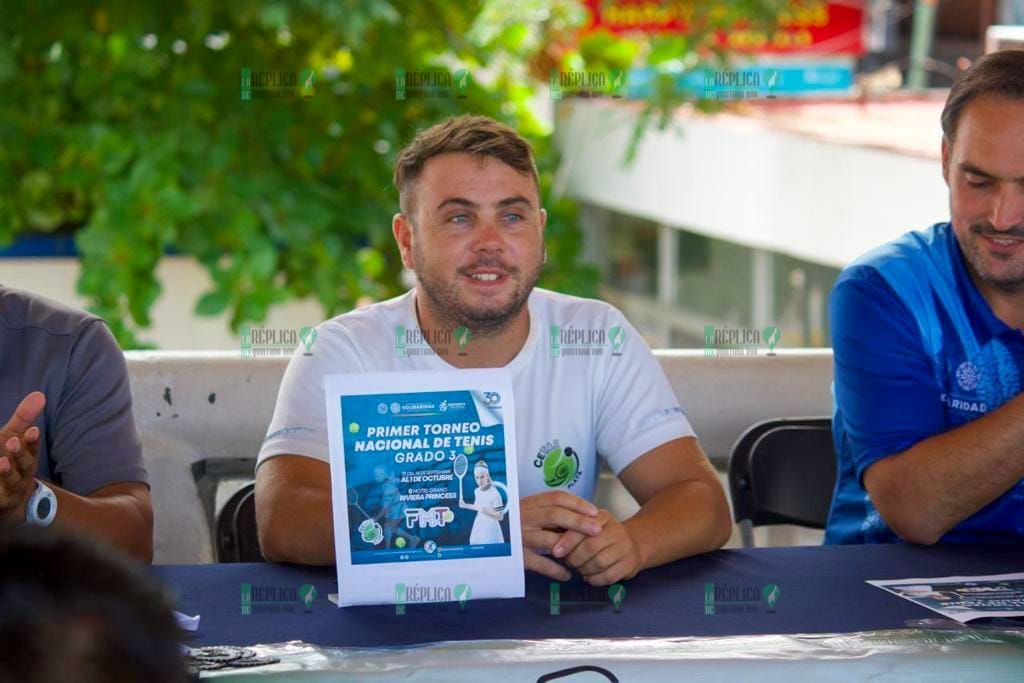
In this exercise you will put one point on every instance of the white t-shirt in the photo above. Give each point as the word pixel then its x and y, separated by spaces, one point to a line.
pixel 584 383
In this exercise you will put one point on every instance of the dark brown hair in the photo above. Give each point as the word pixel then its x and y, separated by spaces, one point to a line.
pixel 73 609
pixel 998 73
pixel 468 134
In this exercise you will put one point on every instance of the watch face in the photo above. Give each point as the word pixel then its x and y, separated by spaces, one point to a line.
pixel 43 508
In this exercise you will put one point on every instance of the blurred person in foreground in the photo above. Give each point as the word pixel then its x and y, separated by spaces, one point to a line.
pixel 929 355
pixel 74 611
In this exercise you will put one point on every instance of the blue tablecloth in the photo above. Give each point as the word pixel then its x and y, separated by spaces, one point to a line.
pixel 821 589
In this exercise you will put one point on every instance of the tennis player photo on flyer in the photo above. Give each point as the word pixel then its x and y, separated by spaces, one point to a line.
pixel 424 482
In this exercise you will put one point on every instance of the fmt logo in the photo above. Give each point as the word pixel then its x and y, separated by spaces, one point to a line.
pixel 433 518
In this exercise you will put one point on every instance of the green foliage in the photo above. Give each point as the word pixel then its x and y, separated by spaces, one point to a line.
pixel 140 149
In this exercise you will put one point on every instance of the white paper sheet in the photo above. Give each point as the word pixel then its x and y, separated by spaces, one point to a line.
pixel 185 622
pixel 963 598
pixel 401 535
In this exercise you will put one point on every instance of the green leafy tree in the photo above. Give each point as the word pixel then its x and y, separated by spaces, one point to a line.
pixel 123 124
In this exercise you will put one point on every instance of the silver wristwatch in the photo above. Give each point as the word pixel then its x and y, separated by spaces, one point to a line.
pixel 42 506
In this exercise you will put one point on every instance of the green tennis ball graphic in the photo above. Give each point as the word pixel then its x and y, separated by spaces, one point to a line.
pixel 560 467
pixel 353 427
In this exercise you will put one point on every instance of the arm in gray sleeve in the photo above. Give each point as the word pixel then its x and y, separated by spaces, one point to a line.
pixel 94 440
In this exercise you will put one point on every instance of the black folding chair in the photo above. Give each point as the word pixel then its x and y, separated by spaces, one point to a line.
pixel 783 471
pixel 237 540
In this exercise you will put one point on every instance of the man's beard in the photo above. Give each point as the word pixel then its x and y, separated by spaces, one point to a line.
pixel 453 312
pixel 1009 282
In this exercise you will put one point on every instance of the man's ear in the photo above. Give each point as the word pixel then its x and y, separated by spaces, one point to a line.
pixel 947 150
pixel 401 228
pixel 543 227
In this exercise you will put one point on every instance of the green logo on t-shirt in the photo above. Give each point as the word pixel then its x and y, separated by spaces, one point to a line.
pixel 561 467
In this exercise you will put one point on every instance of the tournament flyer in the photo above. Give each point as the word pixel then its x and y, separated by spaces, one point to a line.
pixel 963 598
pixel 424 485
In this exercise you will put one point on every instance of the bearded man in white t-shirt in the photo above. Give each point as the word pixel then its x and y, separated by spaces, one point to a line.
pixel 472 228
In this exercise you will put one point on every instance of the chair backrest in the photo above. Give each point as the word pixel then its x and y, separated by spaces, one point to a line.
pixel 237 540
pixel 783 472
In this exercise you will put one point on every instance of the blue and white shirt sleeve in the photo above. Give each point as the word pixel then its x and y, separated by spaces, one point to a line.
pixel 886 392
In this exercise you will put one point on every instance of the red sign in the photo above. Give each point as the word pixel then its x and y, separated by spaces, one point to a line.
pixel 807 27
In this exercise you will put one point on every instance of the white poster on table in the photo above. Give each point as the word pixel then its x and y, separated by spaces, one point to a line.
pixel 963 598
pixel 424 485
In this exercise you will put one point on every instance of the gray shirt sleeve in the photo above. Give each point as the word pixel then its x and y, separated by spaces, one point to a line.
pixel 93 439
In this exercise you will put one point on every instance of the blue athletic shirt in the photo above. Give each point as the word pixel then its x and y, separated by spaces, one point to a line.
pixel 918 352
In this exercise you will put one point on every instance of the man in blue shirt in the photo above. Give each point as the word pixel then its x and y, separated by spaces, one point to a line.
pixel 929 421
